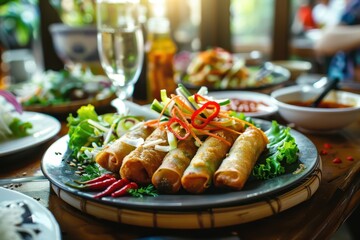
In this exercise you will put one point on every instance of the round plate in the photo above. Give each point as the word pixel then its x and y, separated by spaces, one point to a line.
pixel 279 75
pixel 70 107
pixel 268 108
pixel 56 169
pixel 44 128
pixel 36 217
pixel 200 218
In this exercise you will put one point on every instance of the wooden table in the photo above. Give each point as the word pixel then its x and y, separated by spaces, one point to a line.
pixel 316 218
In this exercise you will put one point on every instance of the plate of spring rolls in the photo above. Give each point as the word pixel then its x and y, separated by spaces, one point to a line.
pixel 56 168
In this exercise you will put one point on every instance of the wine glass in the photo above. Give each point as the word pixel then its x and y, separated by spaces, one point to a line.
pixel 120 43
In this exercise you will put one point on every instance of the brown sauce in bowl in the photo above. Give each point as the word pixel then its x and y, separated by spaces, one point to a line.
pixel 323 104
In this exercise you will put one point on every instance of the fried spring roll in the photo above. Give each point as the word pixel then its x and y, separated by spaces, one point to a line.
pixel 236 168
pixel 167 177
pixel 198 175
pixel 111 157
pixel 140 164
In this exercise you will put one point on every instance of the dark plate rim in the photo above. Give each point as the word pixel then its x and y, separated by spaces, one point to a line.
pixel 281 74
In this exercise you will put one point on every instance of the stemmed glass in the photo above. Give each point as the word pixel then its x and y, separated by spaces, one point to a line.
pixel 120 43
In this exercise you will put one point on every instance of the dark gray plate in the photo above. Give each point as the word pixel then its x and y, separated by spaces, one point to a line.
pixel 279 76
pixel 59 172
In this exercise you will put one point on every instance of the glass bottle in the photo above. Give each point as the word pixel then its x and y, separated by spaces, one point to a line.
pixel 160 56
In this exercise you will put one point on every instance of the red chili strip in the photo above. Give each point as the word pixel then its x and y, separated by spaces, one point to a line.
pixel 112 188
pixel 336 160
pixel 196 116
pixel 95 185
pixel 98 179
pixel 124 190
pixel 173 124
pixel 350 158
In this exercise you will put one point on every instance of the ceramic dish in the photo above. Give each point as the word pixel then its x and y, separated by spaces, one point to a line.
pixel 35 218
pixel 200 218
pixel 279 76
pixel 296 67
pixel 58 171
pixel 44 128
pixel 262 102
pixel 70 107
pixel 319 119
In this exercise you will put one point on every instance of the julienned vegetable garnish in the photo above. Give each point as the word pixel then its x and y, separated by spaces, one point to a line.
pixel 195 115
pixel 186 121
pixel 200 122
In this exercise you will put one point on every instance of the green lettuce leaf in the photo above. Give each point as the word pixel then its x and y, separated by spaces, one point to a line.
pixel 81 133
pixel 19 128
pixel 282 152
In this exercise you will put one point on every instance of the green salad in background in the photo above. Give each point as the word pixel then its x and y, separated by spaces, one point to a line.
pixel 58 87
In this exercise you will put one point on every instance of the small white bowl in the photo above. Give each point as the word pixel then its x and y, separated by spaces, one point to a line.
pixel 296 67
pixel 75 44
pixel 320 120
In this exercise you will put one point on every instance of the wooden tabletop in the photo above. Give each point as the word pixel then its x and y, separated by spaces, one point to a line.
pixel 317 218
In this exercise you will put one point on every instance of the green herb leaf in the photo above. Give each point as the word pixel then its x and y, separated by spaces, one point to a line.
pixel 20 128
pixel 149 190
pixel 91 171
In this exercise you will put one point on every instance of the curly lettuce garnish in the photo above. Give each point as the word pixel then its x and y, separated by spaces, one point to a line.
pixel 89 132
pixel 81 132
pixel 282 151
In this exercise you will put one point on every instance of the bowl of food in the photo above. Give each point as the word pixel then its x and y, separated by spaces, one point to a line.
pixel 296 67
pixel 75 44
pixel 337 110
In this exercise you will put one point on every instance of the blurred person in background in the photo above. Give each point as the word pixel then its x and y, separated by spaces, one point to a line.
pixel 304 19
pixel 327 13
pixel 340 44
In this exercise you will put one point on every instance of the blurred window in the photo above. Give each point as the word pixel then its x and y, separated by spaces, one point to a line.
pixel 251 25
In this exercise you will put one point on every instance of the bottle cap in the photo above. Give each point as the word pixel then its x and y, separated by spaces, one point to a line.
pixel 158 25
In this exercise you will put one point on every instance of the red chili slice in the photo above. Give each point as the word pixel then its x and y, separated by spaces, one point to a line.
pixel 196 116
pixel 172 123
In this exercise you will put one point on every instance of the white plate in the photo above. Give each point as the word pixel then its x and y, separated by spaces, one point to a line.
pixel 44 128
pixel 36 218
pixel 270 109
